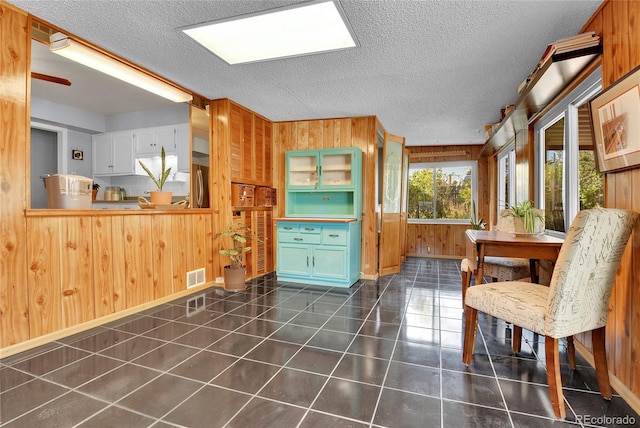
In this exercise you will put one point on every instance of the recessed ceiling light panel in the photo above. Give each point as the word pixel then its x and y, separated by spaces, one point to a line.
pixel 299 30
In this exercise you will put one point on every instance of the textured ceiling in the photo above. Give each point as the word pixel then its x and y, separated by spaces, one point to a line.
pixel 434 72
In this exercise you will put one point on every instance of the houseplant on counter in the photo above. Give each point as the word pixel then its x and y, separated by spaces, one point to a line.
pixel 94 191
pixel 235 272
pixel 159 197
pixel 527 220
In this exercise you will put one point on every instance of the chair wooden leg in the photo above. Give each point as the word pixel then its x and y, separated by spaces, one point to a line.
pixel 571 351
pixel 600 359
pixel 516 342
pixel 465 284
pixel 553 376
pixel 470 329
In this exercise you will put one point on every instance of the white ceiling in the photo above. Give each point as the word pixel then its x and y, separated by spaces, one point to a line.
pixel 433 71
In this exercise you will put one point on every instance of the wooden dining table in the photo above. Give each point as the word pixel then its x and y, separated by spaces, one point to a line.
pixel 506 244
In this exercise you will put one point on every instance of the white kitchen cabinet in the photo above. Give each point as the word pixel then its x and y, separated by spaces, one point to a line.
pixel 145 141
pixel 113 153
pixel 149 141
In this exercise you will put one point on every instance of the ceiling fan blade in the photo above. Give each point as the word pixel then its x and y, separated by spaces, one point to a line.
pixel 49 78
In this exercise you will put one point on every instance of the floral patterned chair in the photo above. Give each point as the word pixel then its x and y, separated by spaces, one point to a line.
pixel 498 268
pixel 576 301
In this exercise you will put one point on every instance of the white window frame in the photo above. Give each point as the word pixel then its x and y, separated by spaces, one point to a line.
pixel 507 153
pixel 567 108
pixel 474 188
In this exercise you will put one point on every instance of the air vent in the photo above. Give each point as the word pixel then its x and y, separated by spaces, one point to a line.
pixel 195 277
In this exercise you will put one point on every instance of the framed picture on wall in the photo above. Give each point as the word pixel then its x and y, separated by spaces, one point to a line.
pixel 77 155
pixel 615 118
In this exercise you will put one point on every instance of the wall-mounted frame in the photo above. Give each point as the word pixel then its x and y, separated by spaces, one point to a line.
pixel 615 118
pixel 77 155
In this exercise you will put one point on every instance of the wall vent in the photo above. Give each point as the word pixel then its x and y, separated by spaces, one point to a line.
pixel 195 277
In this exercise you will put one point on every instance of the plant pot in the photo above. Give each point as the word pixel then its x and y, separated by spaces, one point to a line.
pixel 519 229
pixel 235 279
pixel 94 194
pixel 161 198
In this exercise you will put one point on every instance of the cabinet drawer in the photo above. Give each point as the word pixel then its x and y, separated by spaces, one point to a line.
pixel 307 228
pixel 288 228
pixel 333 236
pixel 299 238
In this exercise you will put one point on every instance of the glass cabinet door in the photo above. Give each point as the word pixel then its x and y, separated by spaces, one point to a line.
pixel 302 170
pixel 336 169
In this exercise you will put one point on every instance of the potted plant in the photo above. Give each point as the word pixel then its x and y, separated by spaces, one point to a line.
pixel 236 271
pixel 94 191
pixel 526 218
pixel 159 197
pixel 476 224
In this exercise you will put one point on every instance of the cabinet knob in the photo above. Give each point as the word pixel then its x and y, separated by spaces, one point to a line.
pixel 297 239
pixel 310 229
pixel 333 235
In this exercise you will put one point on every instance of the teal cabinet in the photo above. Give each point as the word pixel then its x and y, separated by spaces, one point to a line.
pixel 324 183
pixel 319 239
pixel 321 252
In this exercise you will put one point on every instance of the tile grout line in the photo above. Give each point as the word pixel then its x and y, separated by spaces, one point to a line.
pixel 395 344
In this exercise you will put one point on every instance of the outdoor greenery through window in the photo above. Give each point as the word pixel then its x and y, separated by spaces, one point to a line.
pixel 441 191
pixel 568 179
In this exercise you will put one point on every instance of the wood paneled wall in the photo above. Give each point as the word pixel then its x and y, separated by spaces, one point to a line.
pixel 445 239
pixel 358 132
pixel 15 48
pixel 84 267
pixel 60 271
pixel 618 24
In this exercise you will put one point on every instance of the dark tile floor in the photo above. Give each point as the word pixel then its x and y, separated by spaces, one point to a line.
pixel 384 353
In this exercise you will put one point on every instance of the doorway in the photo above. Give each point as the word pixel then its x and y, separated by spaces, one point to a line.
pixel 44 160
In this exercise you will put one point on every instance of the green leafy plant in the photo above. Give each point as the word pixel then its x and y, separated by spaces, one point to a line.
pixel 240 234
pixel 527 212
pixel 476 223
pixel 164 173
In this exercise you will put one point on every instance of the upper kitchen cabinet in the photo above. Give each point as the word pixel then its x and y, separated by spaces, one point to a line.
pixel 250 140
pixel 322 169
pixel 149 141
pixel 325 182
pixel 113 153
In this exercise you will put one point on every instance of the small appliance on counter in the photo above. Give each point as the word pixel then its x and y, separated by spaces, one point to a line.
pixel 68 191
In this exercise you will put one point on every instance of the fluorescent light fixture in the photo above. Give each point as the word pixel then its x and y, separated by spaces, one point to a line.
pixel 303 29
pixel 62 45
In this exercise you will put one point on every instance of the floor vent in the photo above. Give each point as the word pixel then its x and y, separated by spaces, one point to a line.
pixel 195 277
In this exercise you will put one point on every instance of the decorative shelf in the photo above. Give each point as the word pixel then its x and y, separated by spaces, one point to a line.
pixel 547 83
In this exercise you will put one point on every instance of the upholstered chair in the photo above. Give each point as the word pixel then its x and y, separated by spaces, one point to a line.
pixel 576 300
pixel 498 268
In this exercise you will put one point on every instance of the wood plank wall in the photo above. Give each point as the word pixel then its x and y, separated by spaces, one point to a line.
pixel 65 270
pixel 617 23
pixel 15 50
pixel 334 133
pixel 447 240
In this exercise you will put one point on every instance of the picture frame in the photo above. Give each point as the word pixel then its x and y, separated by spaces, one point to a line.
pixel 615 121
pixel 77 154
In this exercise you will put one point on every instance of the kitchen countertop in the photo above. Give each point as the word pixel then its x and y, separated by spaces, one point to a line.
pixel 316 219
